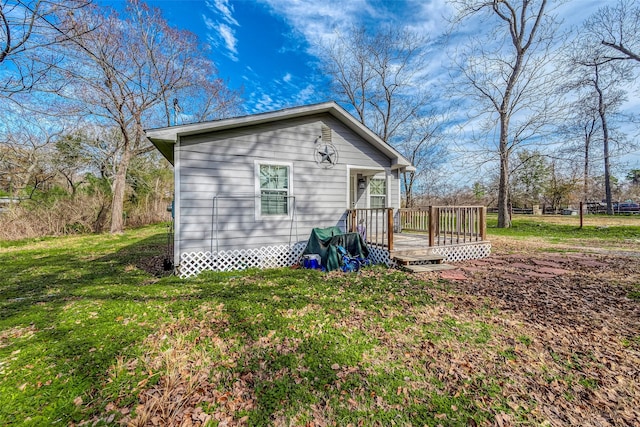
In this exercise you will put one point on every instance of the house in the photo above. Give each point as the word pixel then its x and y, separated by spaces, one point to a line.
pixel 249 190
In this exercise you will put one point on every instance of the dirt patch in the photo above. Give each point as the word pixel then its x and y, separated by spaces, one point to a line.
pixel 158 265
pixel 582 315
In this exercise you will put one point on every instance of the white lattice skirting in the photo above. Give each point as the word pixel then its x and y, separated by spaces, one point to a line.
pixel 193 263
pixel 463 252
pixel 380 256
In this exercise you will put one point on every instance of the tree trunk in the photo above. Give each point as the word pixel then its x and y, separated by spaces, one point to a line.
pixel 118 190
pixel 504 219
pixel 607 169
pixel 409 178
pixel 605 139
pixel 585 190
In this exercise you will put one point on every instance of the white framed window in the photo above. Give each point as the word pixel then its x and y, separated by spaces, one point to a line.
pixel 273 189
pixel 377 193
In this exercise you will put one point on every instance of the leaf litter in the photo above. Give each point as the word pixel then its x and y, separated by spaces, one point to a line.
pixel 536 339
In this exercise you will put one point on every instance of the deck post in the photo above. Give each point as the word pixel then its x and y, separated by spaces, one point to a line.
pixel 354 219
pixel 432 223
pixel 390 228
pixel 483 223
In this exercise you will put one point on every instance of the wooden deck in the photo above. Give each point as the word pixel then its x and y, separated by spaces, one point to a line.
pixel 418 244
pixel 432 226
pixel 455 233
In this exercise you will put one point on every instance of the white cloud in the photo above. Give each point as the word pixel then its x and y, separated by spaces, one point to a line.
pixel 319 21
pixel 223 8
pixel 209 23
pixel 305 95
pixel 228 35
pixel 222 34
pixel 287 78
pixel 316 20
pixel 264 103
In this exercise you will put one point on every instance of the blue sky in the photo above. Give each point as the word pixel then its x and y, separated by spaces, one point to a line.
pixel 255 48
pixel 270 47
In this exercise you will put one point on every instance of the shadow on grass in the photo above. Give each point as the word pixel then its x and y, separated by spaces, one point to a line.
pixel 58 275
pixel 91 306
pixel 67 311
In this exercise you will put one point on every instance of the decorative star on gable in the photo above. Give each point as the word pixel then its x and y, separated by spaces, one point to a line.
pixel 326 155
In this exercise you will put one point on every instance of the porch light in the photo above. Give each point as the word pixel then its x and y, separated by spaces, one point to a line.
pixel 361 183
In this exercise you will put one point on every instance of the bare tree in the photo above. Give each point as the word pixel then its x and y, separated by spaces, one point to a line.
pixel 597 78
pixel 583 126
pixel 617 27
pixel 529 177
pixel 379 76
pixel 421 141
pixel 25 154
pixel 375 73
pixel 126 74
pixel 27 26
pixel 508 75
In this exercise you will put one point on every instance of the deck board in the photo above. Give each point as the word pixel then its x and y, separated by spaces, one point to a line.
pixel 428 268
pixel 407 259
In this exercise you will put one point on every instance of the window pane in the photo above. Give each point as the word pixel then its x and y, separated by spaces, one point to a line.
pixel 274 203
pixel 377 193
pixel 377 187
pixel 377 202
pixel 274 190
pixel 274 177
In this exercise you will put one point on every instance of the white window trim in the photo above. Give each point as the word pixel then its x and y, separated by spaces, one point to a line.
pixel 258 203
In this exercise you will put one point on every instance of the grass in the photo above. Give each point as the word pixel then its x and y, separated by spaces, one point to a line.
pixel 87 335
pixel 561 233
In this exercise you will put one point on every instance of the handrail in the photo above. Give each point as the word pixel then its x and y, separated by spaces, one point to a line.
pixel 375 225
pixel 446 225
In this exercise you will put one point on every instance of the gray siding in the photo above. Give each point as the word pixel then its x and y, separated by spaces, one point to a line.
pixel 223 164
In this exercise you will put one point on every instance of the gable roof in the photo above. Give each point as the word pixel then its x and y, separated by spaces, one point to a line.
pixel 165 138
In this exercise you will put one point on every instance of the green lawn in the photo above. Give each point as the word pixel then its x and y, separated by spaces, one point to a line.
pixel 87 335
pixel 598 230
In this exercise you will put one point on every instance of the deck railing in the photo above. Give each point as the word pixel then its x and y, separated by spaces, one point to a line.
pixel 444 225
pixel 373 225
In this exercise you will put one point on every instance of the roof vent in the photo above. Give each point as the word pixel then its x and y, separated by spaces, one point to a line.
pixel 326 134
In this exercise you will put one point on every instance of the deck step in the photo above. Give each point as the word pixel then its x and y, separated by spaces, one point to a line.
pixel 418 259
pixel 428 268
